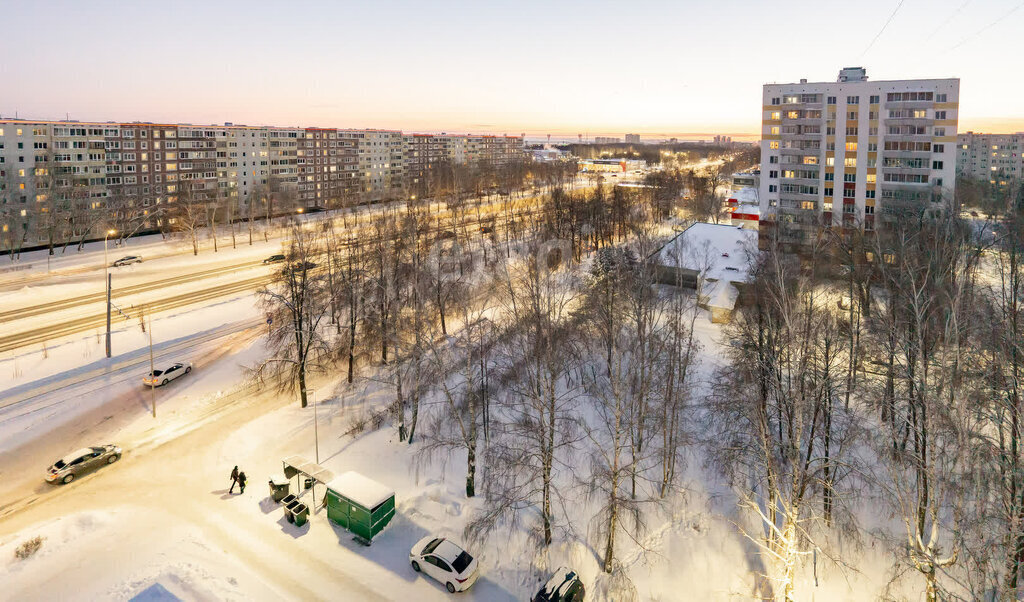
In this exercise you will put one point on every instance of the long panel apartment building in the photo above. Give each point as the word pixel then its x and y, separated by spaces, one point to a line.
pixel 70 180
pixel 854 153
pixel 425 151
pixel 995 158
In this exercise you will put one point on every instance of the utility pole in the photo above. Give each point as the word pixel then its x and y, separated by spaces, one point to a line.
pixel 108 313
pixel 152 379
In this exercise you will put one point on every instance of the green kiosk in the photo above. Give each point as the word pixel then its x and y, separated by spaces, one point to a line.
pixel 360 504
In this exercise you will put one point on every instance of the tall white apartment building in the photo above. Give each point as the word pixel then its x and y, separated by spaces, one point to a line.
pixel 997 158
pixel 850 152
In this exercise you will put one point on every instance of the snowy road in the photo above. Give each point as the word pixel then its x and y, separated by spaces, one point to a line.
pixel 171 484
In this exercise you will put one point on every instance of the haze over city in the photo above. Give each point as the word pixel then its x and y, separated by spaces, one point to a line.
pixel 659 68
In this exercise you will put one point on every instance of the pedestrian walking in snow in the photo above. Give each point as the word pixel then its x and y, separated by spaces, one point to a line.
pixel 241 482
pixel 234 480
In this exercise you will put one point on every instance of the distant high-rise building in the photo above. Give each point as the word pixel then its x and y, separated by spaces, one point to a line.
pixel 632 138
pixel 607 140
pixel 842 153
pixel 996 158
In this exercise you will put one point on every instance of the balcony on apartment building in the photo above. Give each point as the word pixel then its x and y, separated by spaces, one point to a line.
pixel 907 104
pixel 795 199
pixel 801 151
pixel 911 121
pixel 805 178
pixel 908 154
pixel 800 101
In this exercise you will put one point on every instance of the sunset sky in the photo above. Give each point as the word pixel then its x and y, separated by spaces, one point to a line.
pixel 661 68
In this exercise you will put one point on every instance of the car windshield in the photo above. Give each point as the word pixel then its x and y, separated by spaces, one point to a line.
pixel 59 464
pixel 461 562
pixel 432 546
pixel 157 372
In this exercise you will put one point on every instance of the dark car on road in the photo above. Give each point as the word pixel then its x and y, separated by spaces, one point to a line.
pixel 563 586
pixel 84 460
pixel 274 259
pixel 302 266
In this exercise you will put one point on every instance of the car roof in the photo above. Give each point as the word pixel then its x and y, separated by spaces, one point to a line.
pixel 68 459
pixel 447 551
pixel 560 581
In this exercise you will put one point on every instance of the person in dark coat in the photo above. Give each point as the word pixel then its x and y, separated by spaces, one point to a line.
pixel 241 482
pixel 234 479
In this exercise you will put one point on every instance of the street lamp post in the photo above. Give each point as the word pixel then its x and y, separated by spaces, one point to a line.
pixel 152 377
pixel 316 430
pixel 106 273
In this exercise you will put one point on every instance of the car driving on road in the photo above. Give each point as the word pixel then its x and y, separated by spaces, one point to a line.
pixel 87 459
pixel 302 266
pixel 446 561
pixel 127 260
pixel 274 259
pixel 160 377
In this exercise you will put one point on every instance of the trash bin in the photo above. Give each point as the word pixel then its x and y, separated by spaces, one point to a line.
pixel 289 510
pixel 278 487
pixel 301 513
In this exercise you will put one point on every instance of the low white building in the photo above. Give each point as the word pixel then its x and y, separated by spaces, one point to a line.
pixel 744 208
pixel 714 260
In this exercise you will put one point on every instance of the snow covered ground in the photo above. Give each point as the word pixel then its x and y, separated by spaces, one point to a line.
pixel 163 517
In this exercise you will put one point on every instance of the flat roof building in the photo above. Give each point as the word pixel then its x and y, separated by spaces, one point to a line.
pixel 849 153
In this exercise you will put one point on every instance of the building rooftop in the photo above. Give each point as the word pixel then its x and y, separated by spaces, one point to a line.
pixel 717 251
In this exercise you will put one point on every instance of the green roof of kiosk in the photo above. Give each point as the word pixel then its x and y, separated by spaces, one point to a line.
pixel 362 490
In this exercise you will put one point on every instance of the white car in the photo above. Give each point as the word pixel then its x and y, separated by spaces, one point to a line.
pixel 159 377
pixel 127 260
pixel 446 561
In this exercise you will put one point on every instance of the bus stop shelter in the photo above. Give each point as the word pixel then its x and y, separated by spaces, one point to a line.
pixel 300 469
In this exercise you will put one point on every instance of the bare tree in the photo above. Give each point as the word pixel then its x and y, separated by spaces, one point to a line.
pixel 928 268
pixel 541 382
pixel 298 304
pixel 770 411
pixel 189 213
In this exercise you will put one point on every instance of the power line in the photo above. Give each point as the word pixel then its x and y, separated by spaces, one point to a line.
pixel 946 22
pixel 879 34
pixel 986 28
